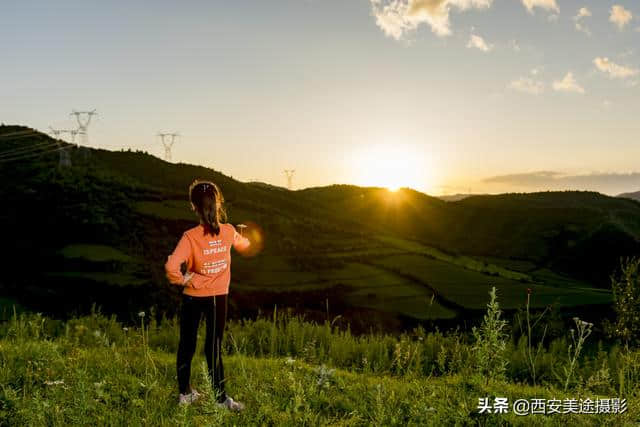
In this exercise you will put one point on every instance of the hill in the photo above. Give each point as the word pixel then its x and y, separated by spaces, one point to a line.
pixel 101 230
pixel 454 197
pixel 634 196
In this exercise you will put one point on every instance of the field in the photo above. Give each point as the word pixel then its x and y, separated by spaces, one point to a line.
pixel 396 275
pixel 95 371
pixel 404 277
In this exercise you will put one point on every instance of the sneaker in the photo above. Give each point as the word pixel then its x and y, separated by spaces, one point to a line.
pixel 186 399
pixel 231 404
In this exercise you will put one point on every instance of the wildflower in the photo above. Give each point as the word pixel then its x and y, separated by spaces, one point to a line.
pixel 141 314
pixel 125 329
pixel 96 333
pixel 56 382
pixel 290 361
pixel 529 291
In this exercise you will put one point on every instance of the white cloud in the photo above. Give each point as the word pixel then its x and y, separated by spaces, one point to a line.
pixel 553 18
pixel 568 84
pixel 606 104
pixel 542 4
pixel 398 17
pixel 614 70
pixel 620 16
pixel 478 42
pixel 514 45
pixel 582 13
pixel 527 85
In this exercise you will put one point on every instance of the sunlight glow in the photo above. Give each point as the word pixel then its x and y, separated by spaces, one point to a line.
pixel 392 167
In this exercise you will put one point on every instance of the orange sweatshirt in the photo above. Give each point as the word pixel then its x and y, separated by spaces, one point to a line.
pixel 208 257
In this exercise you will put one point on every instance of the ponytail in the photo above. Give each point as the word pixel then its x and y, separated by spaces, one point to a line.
pixel 199 191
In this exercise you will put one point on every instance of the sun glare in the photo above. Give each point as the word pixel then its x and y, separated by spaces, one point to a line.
pixel 391 167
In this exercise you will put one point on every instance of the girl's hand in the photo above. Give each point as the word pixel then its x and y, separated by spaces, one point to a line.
pixel 187 279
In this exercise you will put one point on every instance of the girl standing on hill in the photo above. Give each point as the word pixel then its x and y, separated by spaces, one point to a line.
pixel 206 250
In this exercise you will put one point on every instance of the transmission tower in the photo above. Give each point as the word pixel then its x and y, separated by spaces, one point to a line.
pixel 168 139
pixel 289 174
pixel 65 156
pixel 84 119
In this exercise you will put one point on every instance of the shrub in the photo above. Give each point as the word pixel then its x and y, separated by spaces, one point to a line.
pixel 491 342
pixel 625 284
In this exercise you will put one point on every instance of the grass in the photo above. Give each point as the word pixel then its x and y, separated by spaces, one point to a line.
pixel 93 371
pixel 113 279
pixel 463 261
pixel 469 288
pixel 96 253
pixel 372 287
pixel 167 209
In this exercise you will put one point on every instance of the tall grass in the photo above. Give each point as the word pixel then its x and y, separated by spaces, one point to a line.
pixel 417 353
pixel 95 370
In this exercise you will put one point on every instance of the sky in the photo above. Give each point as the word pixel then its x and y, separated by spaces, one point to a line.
pixel 443 96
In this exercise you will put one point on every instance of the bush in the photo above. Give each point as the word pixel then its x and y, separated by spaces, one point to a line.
pixel 625 284
pixel 491 342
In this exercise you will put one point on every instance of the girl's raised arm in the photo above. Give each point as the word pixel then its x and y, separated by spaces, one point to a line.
pixel 240 243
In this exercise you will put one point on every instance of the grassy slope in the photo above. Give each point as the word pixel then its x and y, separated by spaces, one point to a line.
pixel 87 376
pixel 133 203
pixel 111 387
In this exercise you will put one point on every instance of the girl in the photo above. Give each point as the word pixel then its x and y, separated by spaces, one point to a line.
pixel 206 250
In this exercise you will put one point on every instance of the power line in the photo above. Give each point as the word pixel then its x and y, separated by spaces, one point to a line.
pixel 14 136
pixel 26 156
pixel 22 150
pixel 19 132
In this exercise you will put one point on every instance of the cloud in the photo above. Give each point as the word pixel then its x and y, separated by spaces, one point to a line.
pixel 611 183
pixel 542 4
pixel 568 84
pixel 614 70
pixel 620 16
pixel 398 17
pixel 527 85
pixel 479 43
pixel 514 45
pixel 582 13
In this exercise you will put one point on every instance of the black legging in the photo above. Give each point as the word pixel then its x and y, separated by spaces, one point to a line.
pixel 215 312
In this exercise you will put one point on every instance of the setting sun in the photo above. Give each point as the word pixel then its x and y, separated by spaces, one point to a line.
pixel 392 167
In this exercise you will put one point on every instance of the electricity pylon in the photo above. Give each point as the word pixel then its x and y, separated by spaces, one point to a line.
pixel 168 139
pixel 289 174
pixel 65 156
pixel 84 119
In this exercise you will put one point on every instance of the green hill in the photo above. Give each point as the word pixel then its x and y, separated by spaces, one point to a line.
pixel 100 231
